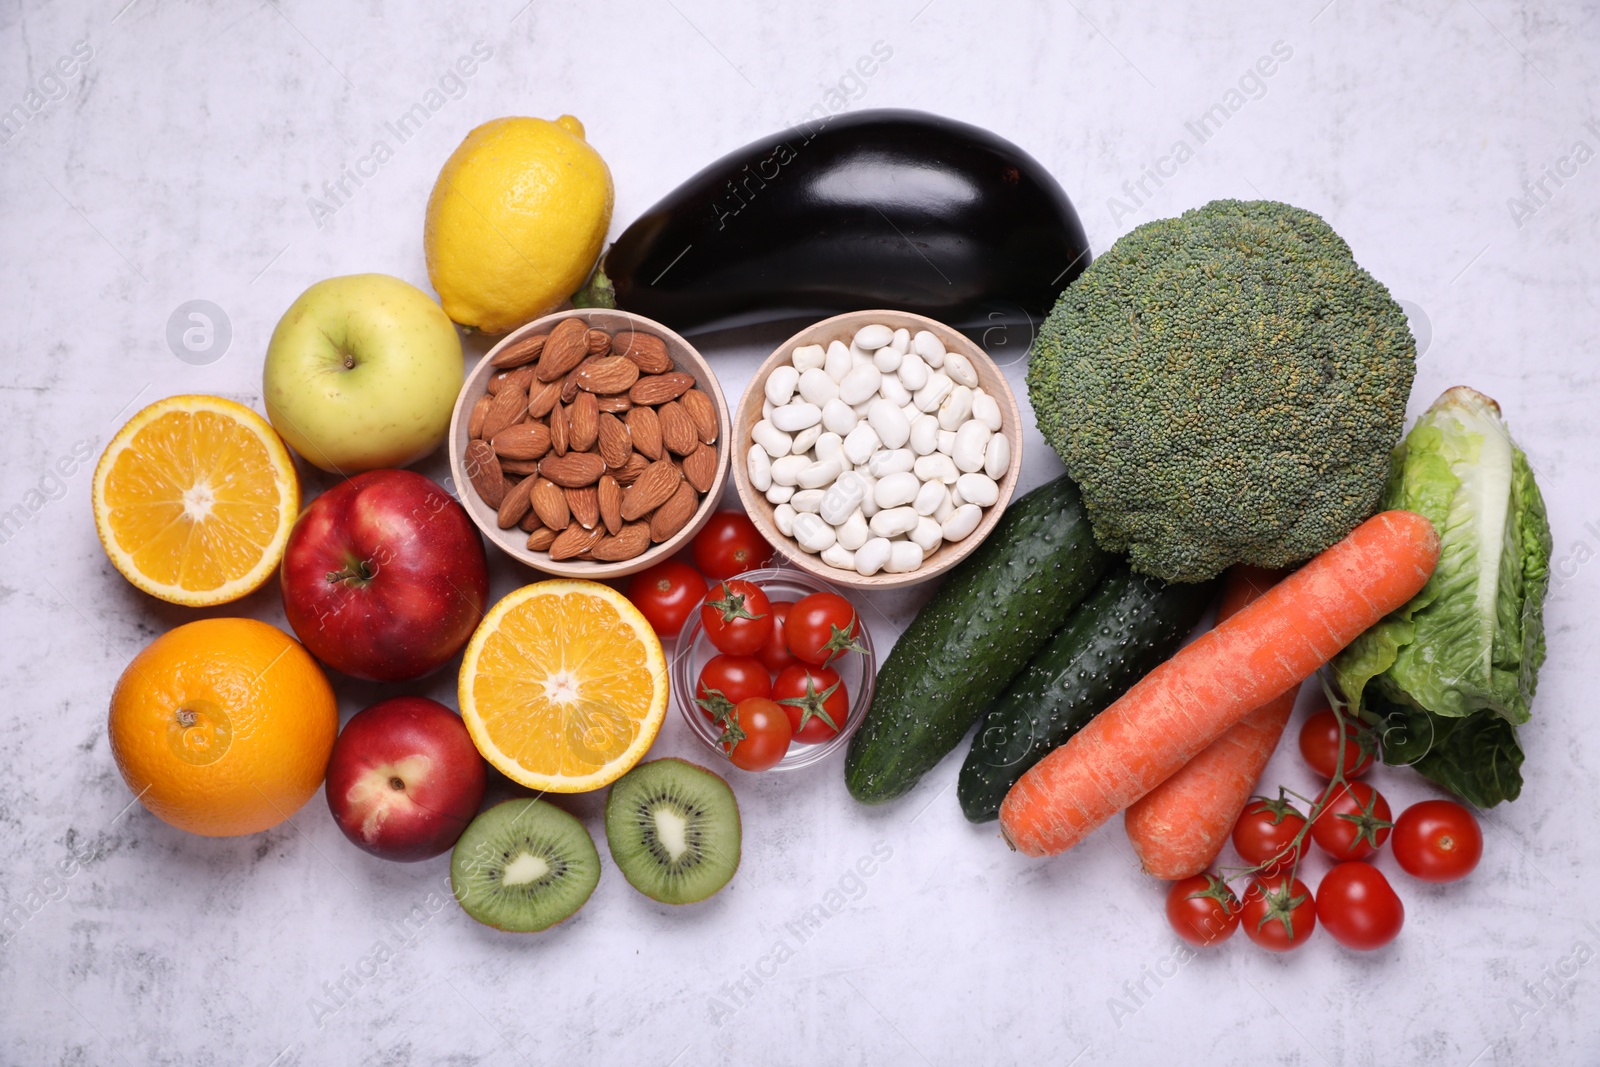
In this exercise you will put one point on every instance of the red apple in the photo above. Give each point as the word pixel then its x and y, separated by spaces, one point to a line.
pixel 405 779
pixel 384 576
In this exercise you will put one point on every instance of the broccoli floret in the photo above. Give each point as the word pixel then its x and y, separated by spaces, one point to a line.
pixel 1225 387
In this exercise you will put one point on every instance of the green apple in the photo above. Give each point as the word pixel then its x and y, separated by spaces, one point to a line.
pixel 362 372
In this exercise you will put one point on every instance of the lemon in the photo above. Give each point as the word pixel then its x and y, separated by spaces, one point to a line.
pixel 516 221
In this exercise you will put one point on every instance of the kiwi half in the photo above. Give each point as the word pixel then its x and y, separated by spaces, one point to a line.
pixel 524 865
pixel 673 828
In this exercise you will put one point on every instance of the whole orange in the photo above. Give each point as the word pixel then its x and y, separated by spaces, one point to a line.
pixel 223 726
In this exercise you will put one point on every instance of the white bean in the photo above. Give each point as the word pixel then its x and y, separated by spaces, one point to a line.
pixel 860 384
pixel 979 489
pixel 818 474
pixel 972 445
pixel 812 533
pixel 830 445
pixel 894 490
pixel 924 434
pixel 889 421
pixel 912 413
pixel 945 510
pixel 928 535
pixel 962 522
pixel 796 416
pixel 873 337
pixel 892 522
pixel 869 504
pixel 808 357
pixel 930 396
pixel 891 461
pixel 947 441
pixel 809 500
pixel 860 443
pixel 780 384
pixel 837 362
pixel 836 555
pixel 783 518
pixel 959 367
pixel 929 347
pixel 843 497
pixel 986 409
pixel 838 417
pixel 786 471
pixel 901 340
pixel 904 557
pixel 853 532
pixel 767 408
pixel 997 457
pixel 774 441
pixel 937 467
pixel 929 497
pixel 956 409
pixel 863 408
pixel 887 359
pixel 892 391
pixel 806 438
pixel 817 388
pixel 859 357
pixel 759 464
pixel 779 494
pixel 872 557
pixel 913 372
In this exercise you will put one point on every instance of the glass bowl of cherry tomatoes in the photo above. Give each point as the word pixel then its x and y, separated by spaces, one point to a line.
pixel 774 670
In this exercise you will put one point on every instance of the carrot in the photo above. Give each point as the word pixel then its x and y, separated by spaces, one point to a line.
pixel 1183 705
pixel 1178 827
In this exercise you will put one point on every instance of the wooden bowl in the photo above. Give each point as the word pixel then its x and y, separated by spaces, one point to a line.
pixel 513 542
pixel 843 328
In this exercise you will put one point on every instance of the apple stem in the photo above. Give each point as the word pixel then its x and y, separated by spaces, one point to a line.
pixel 396 784
pixel 358 571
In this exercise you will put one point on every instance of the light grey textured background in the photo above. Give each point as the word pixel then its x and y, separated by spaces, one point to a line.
pixel 178 161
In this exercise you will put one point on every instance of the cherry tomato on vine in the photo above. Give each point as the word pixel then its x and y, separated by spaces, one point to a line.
pixel 1358 907
pixel 1203 910
pixel 730 544
pixel 665 595
pixel 1279 913
pixel 736 677
pixel 815 698
pixel 737 617
pixel 1437 841
pixel 1352 821
pixel 756 734
pixel 1265 833
pixel 1319 745
pixel 822 627
pixel 775 654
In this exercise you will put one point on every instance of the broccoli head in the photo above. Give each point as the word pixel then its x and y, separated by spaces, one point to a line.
pixel 1225 387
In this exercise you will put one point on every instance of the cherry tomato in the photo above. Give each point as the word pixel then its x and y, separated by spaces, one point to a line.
pixel 1437 841
pixel 821 627
pixel 1279 913
pixel 730 544
pixel 665 595
pixel 1357 906
pixel 1264 835
pixel 1352 821
pixel 1203 910
pixel 756 734
pixel 775 654
pixel 735 678
pixel 1319 745
pixel 737 617
pixel 815 698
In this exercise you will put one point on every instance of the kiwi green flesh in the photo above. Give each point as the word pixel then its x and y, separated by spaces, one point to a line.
pixel 524 865
pixel 673 830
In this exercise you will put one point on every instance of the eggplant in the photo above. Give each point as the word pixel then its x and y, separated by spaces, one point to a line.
pixel 874 209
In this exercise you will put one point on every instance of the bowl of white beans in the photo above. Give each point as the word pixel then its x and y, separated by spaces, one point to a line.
pixel 876 449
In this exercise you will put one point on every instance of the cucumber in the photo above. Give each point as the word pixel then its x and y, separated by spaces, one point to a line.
pixel 1127 627
pixel 997 608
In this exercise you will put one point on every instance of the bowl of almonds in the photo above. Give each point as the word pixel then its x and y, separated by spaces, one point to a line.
pixel 590 443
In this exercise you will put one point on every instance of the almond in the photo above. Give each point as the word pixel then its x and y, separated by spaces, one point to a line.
pixel 608 498
pixel 677 429
pixel 519 467
pixel 616 444
pixel 525 440
pixel 564 349
pixel 529 523
pixel 480 411
pixel 611 375
pixel 541 539
pixel 635 467
pixel 483 470
pixel 645 349
pixel 615 404
pixel 522 378
pixel 585 506
pixel 560 430
pixel 644 427
pixel 597 341
pixel 700 468
pixel 583 423
pixel 574 470
pixel 626 543
pixel 703 412
pixel 549 502
pixel 507 409
pixel 569 384
pixel 523 350
pixel 574 541
pixel 655 389
pixel 492 386
pixel 651 490
pixel 516 503
pixel 675 514
pixel 542 396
